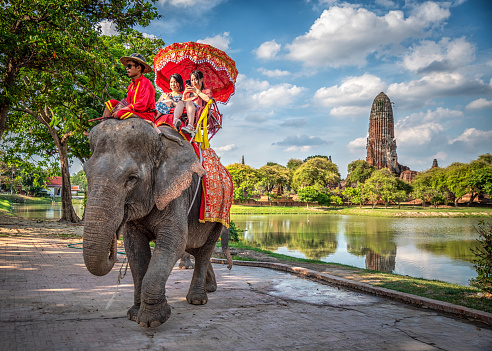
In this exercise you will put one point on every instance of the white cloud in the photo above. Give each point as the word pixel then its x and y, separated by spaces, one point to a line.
pixel 479 104
pixel 441 155
pixel 191 3
pixel 417 135
pixel 243 83
pixel 220 42
pixel 273 73
pixel 423 128
pixel 107 28
pixel 344 111
pixel 353 90
pixel 304 148
pixel 221 149
pixel 150 36
pixel 357 144
pixel 277 95
pixel 346 35
pixel 436 115
pixel 268 50
pixel 437 84
pixel 445 55
pixel 472 136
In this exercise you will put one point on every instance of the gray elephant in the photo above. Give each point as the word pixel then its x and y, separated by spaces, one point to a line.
pixel 143 185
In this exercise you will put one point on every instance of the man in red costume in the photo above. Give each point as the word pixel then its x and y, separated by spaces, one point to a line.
pixel 140 97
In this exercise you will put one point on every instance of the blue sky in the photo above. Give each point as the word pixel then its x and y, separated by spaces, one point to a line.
pixel 310 70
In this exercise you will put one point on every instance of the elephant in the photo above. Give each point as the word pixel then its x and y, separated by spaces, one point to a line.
pixel 147 187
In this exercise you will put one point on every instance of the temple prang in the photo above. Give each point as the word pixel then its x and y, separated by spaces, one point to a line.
pixel 381 142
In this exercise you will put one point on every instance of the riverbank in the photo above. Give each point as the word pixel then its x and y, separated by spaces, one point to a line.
pixel 404 211
pixel 11 226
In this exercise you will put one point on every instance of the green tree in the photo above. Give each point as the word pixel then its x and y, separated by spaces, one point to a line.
pixel 56 37
pixel 33 182
pixel 244 179
pixel 403 191
pixel 53 59
pixel 273 176
pixel 381 185
pixel 457 180
pixel 316 156
pixel 359 171
pixel 54 118
pixel 319 172
pixel 483 258
pixel 80 180
pixel 294 163
pixel 308 194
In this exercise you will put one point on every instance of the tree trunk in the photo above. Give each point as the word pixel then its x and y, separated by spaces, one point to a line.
pixel 4 110
pixel 68 212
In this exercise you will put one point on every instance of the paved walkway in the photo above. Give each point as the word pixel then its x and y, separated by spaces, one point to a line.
pixel 49 301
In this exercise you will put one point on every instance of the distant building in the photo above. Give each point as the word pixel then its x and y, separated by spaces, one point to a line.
pixel 55 187
pixel 381 142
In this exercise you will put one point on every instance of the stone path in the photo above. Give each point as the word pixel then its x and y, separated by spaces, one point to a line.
pixel 49 301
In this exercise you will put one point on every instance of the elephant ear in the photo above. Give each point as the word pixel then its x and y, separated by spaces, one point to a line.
pixel 175 169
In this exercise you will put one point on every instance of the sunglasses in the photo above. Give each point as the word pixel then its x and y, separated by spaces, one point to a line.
pixel 130 65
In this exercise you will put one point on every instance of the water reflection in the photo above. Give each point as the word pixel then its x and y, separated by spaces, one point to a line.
pixel 432 248
pixel 48 210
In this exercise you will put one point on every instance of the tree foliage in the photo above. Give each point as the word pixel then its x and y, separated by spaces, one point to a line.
pixel 293 164
pixel 273 176
pixel 57 37
pixel 318 171
pixel 483 258
pixel 244 179
pixel 57 69
pixel 359 171
pixel 382 185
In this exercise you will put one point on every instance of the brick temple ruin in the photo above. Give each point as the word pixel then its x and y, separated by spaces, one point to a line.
pixel 381 142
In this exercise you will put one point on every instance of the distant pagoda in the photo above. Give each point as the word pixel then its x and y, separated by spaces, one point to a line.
pixel 381 143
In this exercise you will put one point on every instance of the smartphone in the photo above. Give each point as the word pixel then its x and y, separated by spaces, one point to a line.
pixel 188 82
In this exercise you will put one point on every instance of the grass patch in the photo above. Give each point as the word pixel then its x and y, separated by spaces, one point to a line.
pixel 393 211
pixel 456 294
pixel 32 200
pixel 240 209
pixel 4 205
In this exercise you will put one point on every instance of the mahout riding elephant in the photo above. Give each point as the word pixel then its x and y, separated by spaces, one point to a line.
pixel 144 185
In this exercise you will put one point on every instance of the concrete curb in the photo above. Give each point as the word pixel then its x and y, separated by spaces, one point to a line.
pixel 424 302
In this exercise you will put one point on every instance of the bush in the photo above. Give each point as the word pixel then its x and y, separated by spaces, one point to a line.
pixel 483 259
pixel 234 232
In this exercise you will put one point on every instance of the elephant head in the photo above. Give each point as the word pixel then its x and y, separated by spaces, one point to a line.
pixel 132 169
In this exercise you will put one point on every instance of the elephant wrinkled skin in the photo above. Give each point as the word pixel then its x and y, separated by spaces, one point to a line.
pixel 142 184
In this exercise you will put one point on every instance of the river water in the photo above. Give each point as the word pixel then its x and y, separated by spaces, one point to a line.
pixel 430 248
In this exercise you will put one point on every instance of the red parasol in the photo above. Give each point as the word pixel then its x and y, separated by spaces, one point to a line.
pixel 219 70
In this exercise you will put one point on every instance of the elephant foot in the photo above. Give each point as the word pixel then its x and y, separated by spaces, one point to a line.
pixel 132 313
pixel 185 262
pixel 197 298
pixel 211 287
pixel 154 315
pixel 186 265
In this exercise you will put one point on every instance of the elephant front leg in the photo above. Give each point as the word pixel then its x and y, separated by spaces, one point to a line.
pixel 154 309
pixel 203 280
pixel 138 253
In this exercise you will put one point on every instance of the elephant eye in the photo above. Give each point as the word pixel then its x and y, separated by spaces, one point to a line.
pixel 132 179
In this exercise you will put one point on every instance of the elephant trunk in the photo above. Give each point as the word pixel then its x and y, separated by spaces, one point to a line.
pixel 101 225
